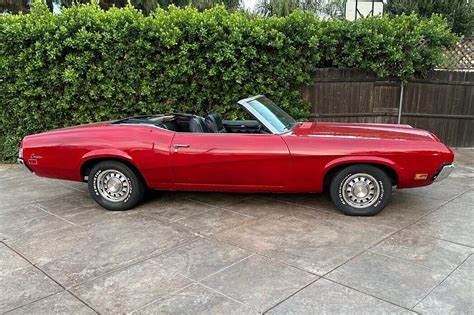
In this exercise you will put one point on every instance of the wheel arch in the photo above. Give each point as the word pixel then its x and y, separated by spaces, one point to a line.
pixel 89 163
pixel 388 167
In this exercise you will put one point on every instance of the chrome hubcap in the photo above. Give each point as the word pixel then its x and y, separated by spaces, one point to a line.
pixel 360 190
pixel 113 185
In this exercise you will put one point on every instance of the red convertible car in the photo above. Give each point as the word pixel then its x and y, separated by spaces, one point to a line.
pixel 358 164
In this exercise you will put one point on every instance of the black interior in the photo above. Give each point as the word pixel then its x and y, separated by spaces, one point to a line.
pixel 212 123
pixel 243 126
pixel 197 124
pixel 170 125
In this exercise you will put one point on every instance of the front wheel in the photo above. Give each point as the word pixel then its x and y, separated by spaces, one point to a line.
pixel 115 186
pixel 361 190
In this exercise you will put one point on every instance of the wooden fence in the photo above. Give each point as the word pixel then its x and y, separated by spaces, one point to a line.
pixel 442 103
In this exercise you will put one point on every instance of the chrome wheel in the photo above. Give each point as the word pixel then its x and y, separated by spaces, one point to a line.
pixel 113 185
pixel 360 190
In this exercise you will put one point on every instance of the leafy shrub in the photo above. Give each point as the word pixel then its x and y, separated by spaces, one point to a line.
pixel 88 65
pixel 458 13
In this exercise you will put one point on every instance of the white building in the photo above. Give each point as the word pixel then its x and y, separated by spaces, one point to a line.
pixel 356 9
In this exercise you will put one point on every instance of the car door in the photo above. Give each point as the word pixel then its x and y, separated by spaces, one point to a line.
pixel 241 161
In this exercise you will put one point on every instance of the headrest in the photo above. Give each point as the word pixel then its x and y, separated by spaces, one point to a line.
pixel 214 123
pixel 197 124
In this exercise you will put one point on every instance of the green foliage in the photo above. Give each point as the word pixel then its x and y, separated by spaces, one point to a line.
pixel 335 9
pixel 458 13
pixel 399 47
pixel 146 6
pixel 286 7
pixel 88 65
pixel 13 6
pixel 332 8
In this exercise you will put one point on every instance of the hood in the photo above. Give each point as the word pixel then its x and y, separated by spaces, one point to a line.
pixel 363 131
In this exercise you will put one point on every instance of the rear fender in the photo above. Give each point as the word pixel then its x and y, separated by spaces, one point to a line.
pixel 105 153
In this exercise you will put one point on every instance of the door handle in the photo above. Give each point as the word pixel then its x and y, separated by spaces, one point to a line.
pixel 177 146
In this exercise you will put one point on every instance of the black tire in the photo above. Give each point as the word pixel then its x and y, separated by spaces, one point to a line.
pixel 378 192
pixel 129 184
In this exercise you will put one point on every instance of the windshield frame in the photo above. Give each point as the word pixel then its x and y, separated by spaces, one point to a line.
pixel 245 103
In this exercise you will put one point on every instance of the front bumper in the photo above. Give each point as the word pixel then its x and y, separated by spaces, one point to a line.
pixel 22 163
pixel 443 172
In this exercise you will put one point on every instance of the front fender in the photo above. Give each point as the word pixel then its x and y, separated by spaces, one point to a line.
pixel 362 159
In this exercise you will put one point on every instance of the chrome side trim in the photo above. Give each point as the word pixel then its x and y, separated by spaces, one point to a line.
pixel 444 172
pixel 143 124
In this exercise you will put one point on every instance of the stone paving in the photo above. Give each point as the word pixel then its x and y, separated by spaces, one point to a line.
pixel 218 253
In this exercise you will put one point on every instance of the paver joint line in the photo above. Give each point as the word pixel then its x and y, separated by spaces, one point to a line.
pixel 47 275
pixel 57 216
pixel 34 301
pixel 366 293
pixel 133 263
pixel 400 259
pixel 161 298
pixel 211 237
pixel 214 273
pixel 227 267
pixel 441 282
pixel 395 232
pixel 221 293
pixel 290 296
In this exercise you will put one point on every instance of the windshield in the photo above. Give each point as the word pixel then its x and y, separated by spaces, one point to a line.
pixel 274 115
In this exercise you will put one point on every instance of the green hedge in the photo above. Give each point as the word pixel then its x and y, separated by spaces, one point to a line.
pixel 88 65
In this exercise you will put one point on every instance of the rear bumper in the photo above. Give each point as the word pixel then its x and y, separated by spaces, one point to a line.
pixel 443 172
pixel 22 163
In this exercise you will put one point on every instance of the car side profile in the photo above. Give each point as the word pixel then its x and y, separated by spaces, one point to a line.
pixel 358 164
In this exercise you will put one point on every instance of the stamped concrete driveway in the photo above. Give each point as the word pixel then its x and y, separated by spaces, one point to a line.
pixel 235 253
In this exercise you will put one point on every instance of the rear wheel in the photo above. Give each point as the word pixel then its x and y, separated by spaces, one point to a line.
pixel 115 186
pixel 361 190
